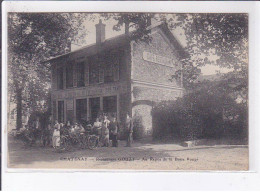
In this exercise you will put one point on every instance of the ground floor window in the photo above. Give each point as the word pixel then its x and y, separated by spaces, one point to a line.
pixel 61 111
pixel 110 105
pixel 81 110
pixel 94 107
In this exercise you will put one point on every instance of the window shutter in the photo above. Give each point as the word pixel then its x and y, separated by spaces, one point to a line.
pixel 74 74
pixel 101 74
pixel 86 73
pixel 116 70
pixel 54 78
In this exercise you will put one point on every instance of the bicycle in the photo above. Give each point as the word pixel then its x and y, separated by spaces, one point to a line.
pixel 93 141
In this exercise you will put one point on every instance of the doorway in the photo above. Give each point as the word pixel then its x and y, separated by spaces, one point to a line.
pixel 110 105
pixel 81 110
pixel 94 107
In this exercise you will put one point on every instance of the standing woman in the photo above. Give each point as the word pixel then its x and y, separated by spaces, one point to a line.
pixel 105 130
pixel 129 129
pixel 56 135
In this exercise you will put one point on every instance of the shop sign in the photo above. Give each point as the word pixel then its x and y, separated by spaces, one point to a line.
pixel 147 56
pixel 90 91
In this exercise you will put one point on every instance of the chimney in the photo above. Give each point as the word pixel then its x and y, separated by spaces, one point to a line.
pixel 100 32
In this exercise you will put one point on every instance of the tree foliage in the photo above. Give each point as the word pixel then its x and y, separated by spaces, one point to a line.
pixel 209 111
pixel 33 38
pixel 137 23
pixel 220 39
pixel 211 38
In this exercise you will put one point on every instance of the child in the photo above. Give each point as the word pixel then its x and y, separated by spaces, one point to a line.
pixel 56 135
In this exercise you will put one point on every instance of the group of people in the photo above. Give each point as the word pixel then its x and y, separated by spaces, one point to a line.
pixel 106 129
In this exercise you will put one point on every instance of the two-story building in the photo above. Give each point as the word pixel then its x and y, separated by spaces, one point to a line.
pixel 117 76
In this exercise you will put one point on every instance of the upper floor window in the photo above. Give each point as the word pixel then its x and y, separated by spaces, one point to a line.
pixel 60 78
pixel 104 70
pixel 81 74
pixel 111 73
pixel 69 76
pixel 93 72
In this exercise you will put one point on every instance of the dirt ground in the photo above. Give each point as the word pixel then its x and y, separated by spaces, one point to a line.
pixel 141 156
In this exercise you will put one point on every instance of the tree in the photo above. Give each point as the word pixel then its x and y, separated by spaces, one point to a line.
pixel 209 111
pixel 33 38
pixel 137 21
pixel 220 39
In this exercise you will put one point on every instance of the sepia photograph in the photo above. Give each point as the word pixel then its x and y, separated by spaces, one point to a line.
pixel 127 91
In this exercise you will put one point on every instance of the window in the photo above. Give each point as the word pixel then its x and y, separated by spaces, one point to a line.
pixel 109 75
pixel 116 70
pixel 94 108
pixel 61 111
pixel 60 78
pixel 110 105
pixel 80 74
pixel 93 72
pixel 81 110
pixel 111 69
pixel 104 71
pixel 69 76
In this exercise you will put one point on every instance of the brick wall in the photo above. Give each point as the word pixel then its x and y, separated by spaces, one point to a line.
pixel 151 81
pixel 154 94
pixel 152 72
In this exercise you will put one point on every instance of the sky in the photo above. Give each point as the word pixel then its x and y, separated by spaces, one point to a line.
pixel 178 34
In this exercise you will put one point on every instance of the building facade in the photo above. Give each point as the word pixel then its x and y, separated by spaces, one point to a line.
pixel 117 76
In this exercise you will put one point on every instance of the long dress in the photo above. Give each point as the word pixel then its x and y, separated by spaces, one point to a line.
pixel 56 135
pixel 105 132
pixel 129 128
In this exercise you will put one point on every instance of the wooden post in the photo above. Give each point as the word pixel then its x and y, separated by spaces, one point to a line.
pixel 88 109
pixel 118 107
pixel 101 103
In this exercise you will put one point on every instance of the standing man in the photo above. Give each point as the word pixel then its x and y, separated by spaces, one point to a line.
pixel 114 127
pixel 129 130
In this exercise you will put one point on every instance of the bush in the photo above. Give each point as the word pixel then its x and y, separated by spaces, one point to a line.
pixel 200 114
pixel 138 128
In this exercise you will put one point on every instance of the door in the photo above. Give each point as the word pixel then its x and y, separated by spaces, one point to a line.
pixel 81 110
pixel 110 105
pixel 94 104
